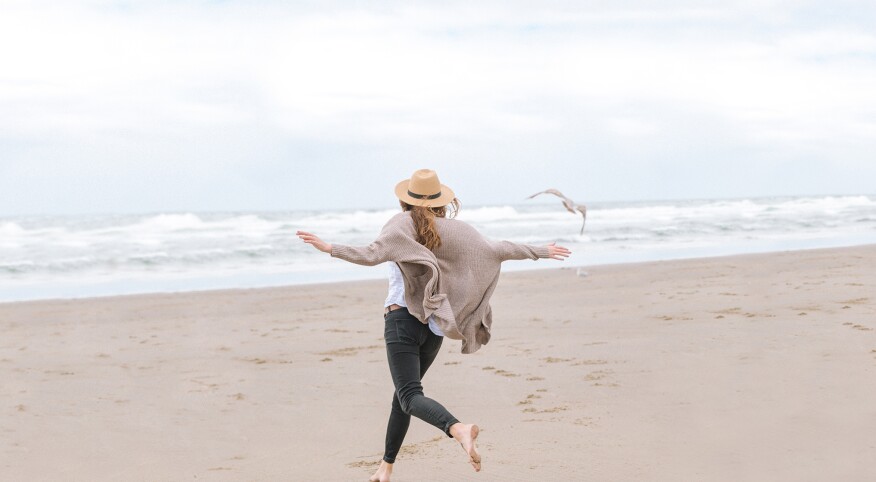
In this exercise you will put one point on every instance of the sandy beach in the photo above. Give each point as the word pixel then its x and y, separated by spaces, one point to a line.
pixel 745 368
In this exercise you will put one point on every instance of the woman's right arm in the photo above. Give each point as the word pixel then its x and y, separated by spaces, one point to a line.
pixel 373 254
pixel 314 241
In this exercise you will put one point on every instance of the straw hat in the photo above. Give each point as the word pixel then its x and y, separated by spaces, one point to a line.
pixel 424 189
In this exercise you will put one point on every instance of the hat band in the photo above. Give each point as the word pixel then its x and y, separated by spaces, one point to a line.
pixel 424 196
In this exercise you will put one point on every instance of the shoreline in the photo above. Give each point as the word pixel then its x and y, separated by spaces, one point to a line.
pixel 729 369
pixel 511 272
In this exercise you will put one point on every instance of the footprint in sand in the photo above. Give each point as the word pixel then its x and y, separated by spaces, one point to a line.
pixel 551 359
pixel 413 449
pixel 406 450
pixel 212 387
pixel 503 373
pixel 529 399
pixel 575 362
pixel 736 311
pixel 857 326
pixel 350 351
pixel 262 361
pixel 590 362
pixel 729 311
pixel 597 375
pixel 506 373
pixel 561 408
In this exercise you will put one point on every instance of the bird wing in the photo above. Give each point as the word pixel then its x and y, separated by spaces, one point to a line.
pixel 548 191
pixel 567 203
pixel 583 210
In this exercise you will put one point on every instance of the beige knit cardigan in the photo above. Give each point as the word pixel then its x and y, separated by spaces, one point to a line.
pixel 454 282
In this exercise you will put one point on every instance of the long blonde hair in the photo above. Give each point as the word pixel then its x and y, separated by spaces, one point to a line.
pixel 424 221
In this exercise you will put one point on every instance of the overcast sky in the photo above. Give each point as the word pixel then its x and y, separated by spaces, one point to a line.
pixel 129 106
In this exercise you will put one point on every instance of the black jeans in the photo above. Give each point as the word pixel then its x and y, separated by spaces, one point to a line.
pixel 411 347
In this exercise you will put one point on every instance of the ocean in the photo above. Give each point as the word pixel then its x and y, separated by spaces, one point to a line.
pixel 95 255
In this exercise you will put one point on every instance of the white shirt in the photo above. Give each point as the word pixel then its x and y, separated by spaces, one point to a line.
pixel 396 295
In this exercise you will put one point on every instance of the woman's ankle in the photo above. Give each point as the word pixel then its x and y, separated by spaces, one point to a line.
pixel 383 472
pixel 456 429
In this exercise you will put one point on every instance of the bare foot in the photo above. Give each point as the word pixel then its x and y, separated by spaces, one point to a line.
pixel 467 435
pixel 383 473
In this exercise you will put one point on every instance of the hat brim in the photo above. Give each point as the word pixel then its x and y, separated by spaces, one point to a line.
pixel 446 197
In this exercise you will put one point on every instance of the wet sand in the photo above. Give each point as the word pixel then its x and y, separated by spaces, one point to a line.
pixel 745 368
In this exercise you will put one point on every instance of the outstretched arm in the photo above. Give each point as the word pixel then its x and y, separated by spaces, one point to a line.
pixel 314 241
pixel 373 254
pixel 507 250
pixel 558 252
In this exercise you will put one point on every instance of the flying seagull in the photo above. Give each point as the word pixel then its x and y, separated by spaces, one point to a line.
pixel 568 203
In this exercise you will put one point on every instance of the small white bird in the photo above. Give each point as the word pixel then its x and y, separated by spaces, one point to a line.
pixel 568 203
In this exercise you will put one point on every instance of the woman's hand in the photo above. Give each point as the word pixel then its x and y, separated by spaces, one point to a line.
pixel 558 252
pixel 314 241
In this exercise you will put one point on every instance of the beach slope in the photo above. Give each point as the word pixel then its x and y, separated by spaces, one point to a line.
pixel 744 368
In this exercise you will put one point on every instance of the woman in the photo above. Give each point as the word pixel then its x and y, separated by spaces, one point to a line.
pixel 448 272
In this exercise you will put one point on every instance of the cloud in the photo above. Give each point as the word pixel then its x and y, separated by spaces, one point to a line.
pixel 240 85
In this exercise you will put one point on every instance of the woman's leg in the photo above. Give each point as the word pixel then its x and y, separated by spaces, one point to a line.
pixel 399 421
pixel 404 365
pixel 396 429
pixel 410 349
pixel 465 434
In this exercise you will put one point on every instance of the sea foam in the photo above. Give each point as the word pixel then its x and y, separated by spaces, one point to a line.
pixel 50 256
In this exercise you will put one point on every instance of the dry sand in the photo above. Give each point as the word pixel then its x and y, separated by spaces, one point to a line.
pixel 745 368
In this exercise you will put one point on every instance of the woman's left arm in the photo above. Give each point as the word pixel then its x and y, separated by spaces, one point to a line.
pixel 508 250
pixel 558 252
